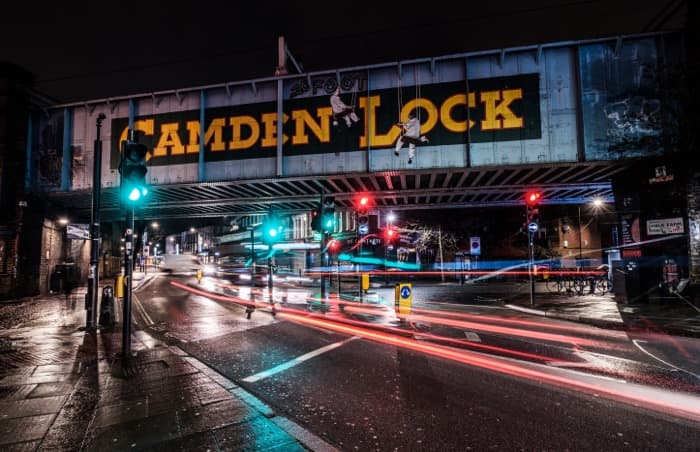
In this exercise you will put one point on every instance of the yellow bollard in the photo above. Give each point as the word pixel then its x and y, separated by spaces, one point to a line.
pixel 365 281
pixel 119 287
pixel 403 298
pixel 199 275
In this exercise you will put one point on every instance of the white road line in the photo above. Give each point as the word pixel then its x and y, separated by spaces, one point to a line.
pixel 298 360
pixel 636 342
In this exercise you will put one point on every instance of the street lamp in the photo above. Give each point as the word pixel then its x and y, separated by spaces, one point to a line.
pixel 597 204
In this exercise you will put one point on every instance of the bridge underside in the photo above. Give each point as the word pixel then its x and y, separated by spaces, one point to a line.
pixel 560 183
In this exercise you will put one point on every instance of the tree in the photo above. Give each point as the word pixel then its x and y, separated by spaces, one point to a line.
pixel 432 242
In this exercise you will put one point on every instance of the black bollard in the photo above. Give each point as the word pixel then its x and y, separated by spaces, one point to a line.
pixel 107 307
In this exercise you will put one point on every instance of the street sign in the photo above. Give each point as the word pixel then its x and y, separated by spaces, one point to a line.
pixel 78 231
pixel 363 229
pixel 475 246
pixel 532 227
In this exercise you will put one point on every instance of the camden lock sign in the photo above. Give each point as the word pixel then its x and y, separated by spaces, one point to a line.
pixel 495 109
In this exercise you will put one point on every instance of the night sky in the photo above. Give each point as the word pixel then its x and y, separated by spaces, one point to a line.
pixel 84 51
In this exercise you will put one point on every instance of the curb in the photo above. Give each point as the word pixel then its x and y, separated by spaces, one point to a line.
pixel 570 317
pixel 303 436
pixel 608 324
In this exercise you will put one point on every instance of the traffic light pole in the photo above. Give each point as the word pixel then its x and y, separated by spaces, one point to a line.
pixel 252 257
pixel 93 269
pixel 324 263
pixel 531 254
pixel 128 271
pixel 359 266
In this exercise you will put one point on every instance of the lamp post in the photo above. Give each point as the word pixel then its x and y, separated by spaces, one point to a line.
pixel 580 242
pixel 93 268
pixel 596 205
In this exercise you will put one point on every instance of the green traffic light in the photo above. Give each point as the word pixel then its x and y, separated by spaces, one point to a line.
pixel 133 169
pixel 272 230
pixel 134 194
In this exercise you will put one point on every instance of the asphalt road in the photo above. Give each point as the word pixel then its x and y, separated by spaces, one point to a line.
pixel 457 376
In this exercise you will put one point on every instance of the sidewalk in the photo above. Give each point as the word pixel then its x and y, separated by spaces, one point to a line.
pixel 64 388
pixel 674 314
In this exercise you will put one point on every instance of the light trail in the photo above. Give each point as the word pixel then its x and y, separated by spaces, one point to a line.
pixel 576 341
pixel 659 400
pixel 521 322
pixel 362 308
pixel 662 401
pixel 389 329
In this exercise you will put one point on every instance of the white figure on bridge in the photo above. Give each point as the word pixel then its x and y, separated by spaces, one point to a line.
pixel 340 110
pixel 410 133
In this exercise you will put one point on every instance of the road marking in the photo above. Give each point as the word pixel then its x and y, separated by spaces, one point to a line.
pixel 636 342
pixel 298 360
pixel 140 308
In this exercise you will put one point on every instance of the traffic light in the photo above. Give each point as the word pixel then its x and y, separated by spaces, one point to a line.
pixel 328 214
pixel 533 215
pixel 272 229
pixel 316 219
pixel 333 246
pixel 390 234
pixel 362 207
pixel 133 171
pixel 532 198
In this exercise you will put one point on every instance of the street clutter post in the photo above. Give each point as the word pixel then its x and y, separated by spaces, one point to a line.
pixel 403 297
pixel 107 307
pixel 119 287
pixel 93 268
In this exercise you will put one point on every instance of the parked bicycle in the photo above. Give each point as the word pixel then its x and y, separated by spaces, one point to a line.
pixel 579 282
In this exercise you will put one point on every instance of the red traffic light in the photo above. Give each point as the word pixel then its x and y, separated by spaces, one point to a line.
pixel 362 204
pixel 533 197
pixel 333 246
pixel 390 234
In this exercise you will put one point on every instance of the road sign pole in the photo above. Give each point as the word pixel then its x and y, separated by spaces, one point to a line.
pixel 324 264
pixel 531 253
pixel 128 271
pixel 322 254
